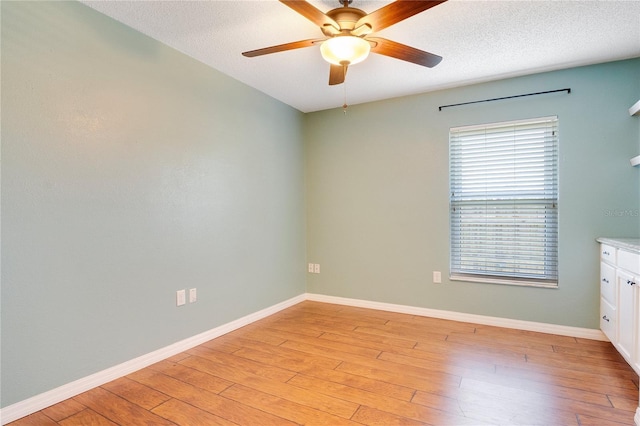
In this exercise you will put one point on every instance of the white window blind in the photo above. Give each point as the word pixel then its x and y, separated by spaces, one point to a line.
pixel 504 202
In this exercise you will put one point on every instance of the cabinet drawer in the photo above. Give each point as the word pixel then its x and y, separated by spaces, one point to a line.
pixel 629 261
pixel 608 283
pixel 608 320
pixel 608 253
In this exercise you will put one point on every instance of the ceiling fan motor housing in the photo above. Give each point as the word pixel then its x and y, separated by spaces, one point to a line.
pixel 346 17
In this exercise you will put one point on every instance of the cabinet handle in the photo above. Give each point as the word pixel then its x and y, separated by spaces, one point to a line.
pixel 605 253
pixel 605 280
pixel 604 317
pixel 631 282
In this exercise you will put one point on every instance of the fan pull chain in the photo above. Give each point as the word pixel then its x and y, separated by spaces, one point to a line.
pixel 345 106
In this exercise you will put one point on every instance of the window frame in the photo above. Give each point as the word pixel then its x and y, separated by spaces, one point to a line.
pixel 549 207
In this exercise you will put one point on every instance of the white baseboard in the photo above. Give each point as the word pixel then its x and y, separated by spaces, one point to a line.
pixel 563 330
pixel 59 394
pixel 636 418
pixel 46 399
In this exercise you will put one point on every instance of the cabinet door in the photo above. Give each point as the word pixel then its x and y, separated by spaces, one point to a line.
pixel 626 314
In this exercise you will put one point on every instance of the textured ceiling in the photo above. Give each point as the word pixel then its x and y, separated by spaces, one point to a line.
pixel 479 40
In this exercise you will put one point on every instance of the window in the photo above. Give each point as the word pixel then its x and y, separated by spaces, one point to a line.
pixel 504 202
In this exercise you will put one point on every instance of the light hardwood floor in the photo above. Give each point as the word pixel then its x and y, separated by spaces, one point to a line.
pixel 323 364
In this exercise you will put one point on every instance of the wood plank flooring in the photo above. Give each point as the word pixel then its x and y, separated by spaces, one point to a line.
pixel 322 364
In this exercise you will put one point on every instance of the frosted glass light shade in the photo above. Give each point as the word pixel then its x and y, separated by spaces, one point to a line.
pixel 345 50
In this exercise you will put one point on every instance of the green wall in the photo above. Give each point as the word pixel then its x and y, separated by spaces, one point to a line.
pixel 130 171
pixel 377 192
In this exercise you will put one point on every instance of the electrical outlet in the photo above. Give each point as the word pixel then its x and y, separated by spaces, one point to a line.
pixel 316 268
pixel 193 296
pixel 310 268
pixel 437 277
pixel 180 298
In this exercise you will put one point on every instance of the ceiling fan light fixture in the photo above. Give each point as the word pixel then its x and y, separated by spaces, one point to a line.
pixel 345 50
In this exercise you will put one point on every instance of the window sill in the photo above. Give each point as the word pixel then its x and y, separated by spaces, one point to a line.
pixel 503 281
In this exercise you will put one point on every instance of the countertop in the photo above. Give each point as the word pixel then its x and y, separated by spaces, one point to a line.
pixel 630 244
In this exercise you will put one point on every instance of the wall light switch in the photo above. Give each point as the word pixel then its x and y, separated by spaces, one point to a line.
pixel 310 268
pixel 180 298
pixel 316 268
pixel 193 296
pixel 437 277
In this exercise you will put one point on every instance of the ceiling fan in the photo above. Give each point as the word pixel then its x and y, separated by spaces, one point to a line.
pixel 348 31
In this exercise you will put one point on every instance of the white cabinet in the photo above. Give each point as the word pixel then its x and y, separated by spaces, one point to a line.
pixel 608 293
pixel 620 298
pixel 627 312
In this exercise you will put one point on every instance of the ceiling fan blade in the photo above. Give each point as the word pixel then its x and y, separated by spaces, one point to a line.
pixel 281 47
pixel 313 14
pixel 395 12
pixel 406 53
pixel 337 74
